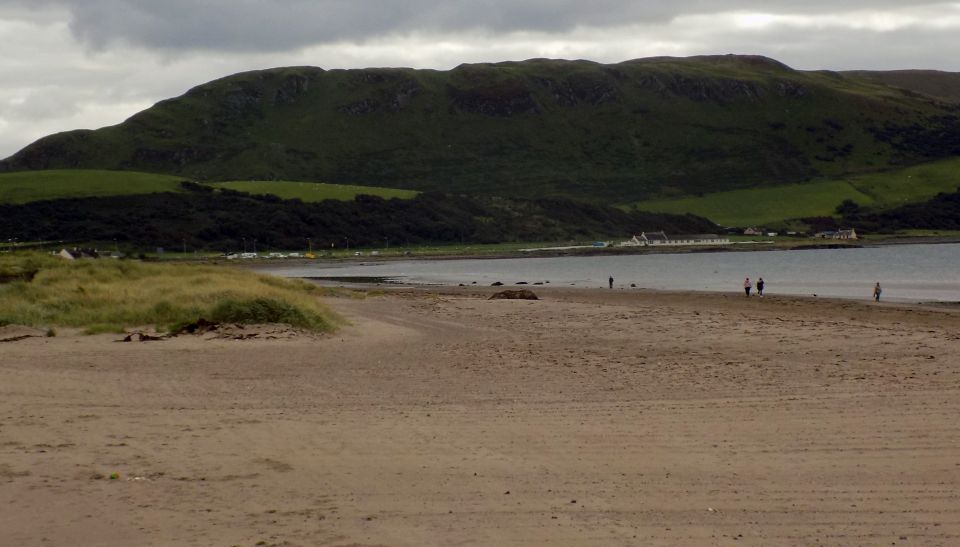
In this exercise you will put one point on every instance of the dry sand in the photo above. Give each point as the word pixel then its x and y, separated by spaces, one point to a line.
pixel 441 418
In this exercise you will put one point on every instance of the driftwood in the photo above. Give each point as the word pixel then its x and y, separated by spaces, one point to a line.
pixel 17 338
pixel 15 333
pixel 199 326
pixel 141 337
pixel 522 294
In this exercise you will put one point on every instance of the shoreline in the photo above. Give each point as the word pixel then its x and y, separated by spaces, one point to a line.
pixel 587 252
pixel 396 285
pixel 759 246
pixel 626 296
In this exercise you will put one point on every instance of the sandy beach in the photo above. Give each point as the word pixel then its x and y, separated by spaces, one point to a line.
pixel 438 417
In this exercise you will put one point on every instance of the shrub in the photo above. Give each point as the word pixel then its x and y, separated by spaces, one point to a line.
pixel 264 310
pixel 848 207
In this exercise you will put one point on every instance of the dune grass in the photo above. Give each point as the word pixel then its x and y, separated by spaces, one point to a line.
pixel 311 191
pixel 111 295
pixel 765 206
pixel 27 186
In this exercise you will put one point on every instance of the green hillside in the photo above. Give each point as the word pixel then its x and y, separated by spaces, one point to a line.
pixel 27 186
pixel 772 205
pixel 311 191
pixel 617 133
pixel 934 83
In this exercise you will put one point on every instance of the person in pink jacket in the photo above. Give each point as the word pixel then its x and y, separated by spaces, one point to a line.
pixel 747 286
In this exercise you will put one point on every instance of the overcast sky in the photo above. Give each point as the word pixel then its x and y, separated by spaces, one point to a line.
pixel 68 64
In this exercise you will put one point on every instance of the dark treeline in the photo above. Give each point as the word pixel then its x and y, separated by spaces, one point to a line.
pixel 222 220
pixel 940 213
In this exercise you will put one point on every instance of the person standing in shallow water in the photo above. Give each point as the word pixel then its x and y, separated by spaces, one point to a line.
pixel 760 287
pixel 876 292
pixel 611 281
pixel 747 286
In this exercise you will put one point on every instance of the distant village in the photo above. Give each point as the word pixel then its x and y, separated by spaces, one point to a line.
pixel 829 234
pixel 661 239
pixel 645 239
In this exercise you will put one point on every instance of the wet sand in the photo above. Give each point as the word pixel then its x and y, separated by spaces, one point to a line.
pixel 589 417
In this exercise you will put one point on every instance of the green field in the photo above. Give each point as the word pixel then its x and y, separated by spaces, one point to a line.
pixel 767 206
pixel 311 191
pixel 918 183
pixel 27 186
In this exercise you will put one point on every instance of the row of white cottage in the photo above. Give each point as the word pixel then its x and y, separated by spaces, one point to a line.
pixel 660 238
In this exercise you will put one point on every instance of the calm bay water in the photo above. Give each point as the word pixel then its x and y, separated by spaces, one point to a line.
pixel 910 273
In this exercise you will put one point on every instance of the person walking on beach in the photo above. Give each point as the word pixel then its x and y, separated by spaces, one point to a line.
pixel 760 287
pixel 876 292
pixel 611 281
pixel 747 286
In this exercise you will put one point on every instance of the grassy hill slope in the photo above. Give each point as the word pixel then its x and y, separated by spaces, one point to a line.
pixel 643 129
pixel 311 192
pixel 772 205
pixel 934 83
pixel 27 186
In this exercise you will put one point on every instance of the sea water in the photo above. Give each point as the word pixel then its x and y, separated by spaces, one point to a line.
pixel 914 273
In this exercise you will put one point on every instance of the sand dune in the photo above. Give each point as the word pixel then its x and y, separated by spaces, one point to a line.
pixel 441 418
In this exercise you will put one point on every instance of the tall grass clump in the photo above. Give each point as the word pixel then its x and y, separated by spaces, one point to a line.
pixel 261 310
pixel 110 295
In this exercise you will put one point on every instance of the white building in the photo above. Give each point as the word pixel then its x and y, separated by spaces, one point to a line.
pixel 660 239
pixel 839 234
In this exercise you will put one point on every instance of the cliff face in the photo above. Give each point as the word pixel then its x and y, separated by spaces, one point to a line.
pixel 649 127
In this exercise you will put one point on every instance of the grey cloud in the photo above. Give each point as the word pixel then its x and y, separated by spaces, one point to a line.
pixel 39 106
pixel 906 48
pixel 258 25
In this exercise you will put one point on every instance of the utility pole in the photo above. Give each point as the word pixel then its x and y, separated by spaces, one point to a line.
pixel 244 244
pixel 309 245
